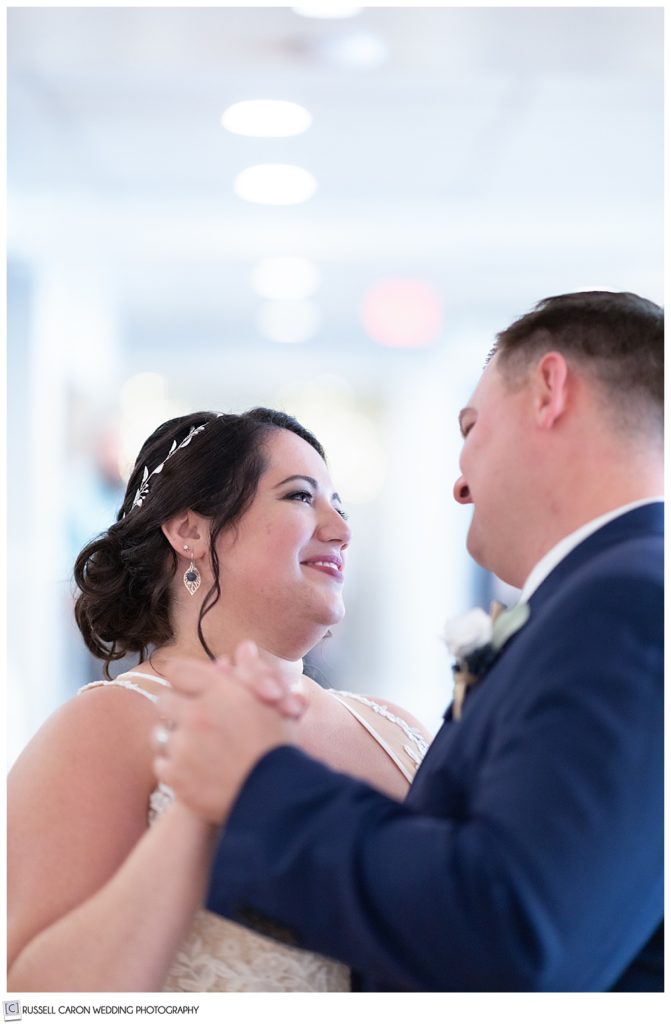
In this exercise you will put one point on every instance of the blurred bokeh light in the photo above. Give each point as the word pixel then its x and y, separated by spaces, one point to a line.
pixel 266 118
pixel 275 184
pixel 402 313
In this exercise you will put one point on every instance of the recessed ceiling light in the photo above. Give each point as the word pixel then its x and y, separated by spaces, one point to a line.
pixel 285 277
pixel 266 118
pixel 275 184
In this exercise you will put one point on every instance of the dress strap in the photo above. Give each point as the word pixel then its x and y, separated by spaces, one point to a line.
pixel 414 753
pixel 143 675
pixel 127 683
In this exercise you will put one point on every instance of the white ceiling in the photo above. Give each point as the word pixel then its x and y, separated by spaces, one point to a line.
pixel 500 153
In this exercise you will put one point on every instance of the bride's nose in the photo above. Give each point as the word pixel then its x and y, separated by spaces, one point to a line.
pixel 461 492
pixel 332 527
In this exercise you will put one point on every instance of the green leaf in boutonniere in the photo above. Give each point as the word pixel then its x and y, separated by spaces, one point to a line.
pixel 507 623
pixel 475 640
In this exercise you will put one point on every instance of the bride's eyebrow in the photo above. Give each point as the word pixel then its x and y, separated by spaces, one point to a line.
pixel 309 480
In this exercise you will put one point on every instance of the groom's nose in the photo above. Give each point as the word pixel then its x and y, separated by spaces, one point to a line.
pixel 461 492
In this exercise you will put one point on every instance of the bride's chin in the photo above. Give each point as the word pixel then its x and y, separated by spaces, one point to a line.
pixel 325 610
pixel 321 630
pixel 335 615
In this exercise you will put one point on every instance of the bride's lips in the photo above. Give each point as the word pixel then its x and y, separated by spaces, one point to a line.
pixel 329 566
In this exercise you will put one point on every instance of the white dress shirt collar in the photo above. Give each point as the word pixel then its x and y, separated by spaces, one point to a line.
pixel 555 555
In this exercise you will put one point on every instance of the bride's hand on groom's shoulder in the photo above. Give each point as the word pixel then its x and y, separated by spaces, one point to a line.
pixel 219 719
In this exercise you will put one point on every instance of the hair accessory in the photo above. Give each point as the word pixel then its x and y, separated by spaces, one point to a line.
pixel 143 489
pixel 192 578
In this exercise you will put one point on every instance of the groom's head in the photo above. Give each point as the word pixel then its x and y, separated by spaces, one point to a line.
pixel 565 423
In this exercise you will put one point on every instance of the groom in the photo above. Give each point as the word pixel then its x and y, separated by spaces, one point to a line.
pixel 528 854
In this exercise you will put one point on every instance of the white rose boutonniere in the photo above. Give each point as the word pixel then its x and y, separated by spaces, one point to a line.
pixel 475 640
pixel 468 632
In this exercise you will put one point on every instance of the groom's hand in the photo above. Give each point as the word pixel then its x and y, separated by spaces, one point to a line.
pixel 223 718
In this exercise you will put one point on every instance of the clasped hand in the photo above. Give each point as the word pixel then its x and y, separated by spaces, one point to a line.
pixel 220 719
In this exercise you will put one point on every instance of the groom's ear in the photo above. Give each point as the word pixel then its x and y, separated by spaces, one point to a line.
pixel 550 382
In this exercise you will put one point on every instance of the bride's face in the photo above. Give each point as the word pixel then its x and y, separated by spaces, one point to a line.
pixel 282 566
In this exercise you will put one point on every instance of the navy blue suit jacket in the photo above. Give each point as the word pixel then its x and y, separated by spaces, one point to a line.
pixel 529 852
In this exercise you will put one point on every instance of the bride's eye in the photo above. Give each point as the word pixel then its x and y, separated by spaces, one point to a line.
pixel 304 496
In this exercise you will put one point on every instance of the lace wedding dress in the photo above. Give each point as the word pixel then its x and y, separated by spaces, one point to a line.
pixel 218 955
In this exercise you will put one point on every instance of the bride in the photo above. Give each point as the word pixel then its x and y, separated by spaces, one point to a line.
pixel 230 530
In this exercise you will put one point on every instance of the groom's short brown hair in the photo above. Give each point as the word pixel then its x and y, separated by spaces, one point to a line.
pixel 615 337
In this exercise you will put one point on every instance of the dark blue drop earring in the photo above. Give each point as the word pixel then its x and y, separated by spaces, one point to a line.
pixel 191 576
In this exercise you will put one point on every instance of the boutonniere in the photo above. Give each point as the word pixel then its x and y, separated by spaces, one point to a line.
pixel 475 640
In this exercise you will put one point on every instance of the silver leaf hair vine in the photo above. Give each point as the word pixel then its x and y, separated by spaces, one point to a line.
pixel 143 489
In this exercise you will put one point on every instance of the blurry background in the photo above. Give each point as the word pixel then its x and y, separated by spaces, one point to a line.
pixel 461 164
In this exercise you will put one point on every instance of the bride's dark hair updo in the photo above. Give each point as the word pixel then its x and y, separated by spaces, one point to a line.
pixel 124 575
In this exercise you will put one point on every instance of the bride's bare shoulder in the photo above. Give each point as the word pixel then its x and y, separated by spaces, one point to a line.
pixel 100 735
pixel 115 705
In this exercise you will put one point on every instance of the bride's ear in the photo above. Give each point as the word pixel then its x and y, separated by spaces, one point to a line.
pixel 187 530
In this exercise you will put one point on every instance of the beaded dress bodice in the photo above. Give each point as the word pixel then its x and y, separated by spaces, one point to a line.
pixel 219 955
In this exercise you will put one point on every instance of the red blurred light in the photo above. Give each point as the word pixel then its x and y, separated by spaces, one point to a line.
pixel 402 313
